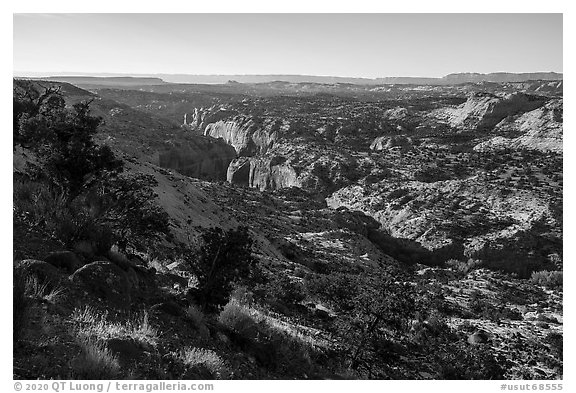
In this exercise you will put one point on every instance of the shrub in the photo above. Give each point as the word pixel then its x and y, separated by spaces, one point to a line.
pixel 398 193
pixel 242 295
pixel 78 194
pixel 115 209
pixel 126 204
pixel 224 259
pixel 548 279
pixel 282 289
pixel 463 268
pixel 95 362
pixel 431 174
pixel 462 361
pixel 485 309
pixel 555 340
pixel 195 315
pixel 239 319
pixel 194 357
pixel 90 324
pixel 61 136
pixel 336 289
pixel 275 344
pixel 379 315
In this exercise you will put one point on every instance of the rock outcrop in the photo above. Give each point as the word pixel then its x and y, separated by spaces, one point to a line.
pixel 247 135
pixel 105 280
pixel 459 219
pixel 45 272
pixel 263 173
pixel 239 172
pixel 389 142
pixel 541 130
pixel 482 111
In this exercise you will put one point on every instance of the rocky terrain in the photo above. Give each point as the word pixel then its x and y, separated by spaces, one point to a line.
pixel 442 204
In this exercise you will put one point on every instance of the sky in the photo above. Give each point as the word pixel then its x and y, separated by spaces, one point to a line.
pixel 353 45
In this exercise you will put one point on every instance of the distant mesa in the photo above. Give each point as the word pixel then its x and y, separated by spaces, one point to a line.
pixel 450 79
pixel 107 81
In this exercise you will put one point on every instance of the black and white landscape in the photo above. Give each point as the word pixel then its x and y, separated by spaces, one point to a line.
pixel 285 226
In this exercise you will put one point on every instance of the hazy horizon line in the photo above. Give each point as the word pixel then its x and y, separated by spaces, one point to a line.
pixel 104 74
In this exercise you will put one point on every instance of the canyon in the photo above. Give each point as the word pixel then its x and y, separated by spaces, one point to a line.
pixel 457 183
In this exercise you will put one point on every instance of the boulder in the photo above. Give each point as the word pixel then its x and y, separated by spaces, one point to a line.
pixel 170 308
pixel 65 260
pixel 106 281
pixel 119 259
pixel 44 271
pixel 127 350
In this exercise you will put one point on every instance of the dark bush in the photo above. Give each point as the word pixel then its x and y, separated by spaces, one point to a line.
pixel 224 259
pixel 337 289
pixel 282 289
pixel 398 193
pixel 375 310
pixel 126 204
pixel 487 310
pixel 556 342
pixel 63 138
pixel 116 209
pixel 461 361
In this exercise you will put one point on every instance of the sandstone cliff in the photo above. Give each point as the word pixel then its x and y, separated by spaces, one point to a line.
pixel 482 111
pixel 540 129
pixel 247 135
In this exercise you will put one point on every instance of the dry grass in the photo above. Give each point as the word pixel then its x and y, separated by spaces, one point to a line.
pixel 95 362
pixel 240 318
pixel 91 324
pixel 245 319
pixel 28 291
pixel 38 290
pixel 206 358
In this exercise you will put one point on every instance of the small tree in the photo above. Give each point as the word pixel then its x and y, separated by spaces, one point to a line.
pixel 126 204
pixel 375 310
pixel 224 259
pixel 94 201
pixel 62 137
